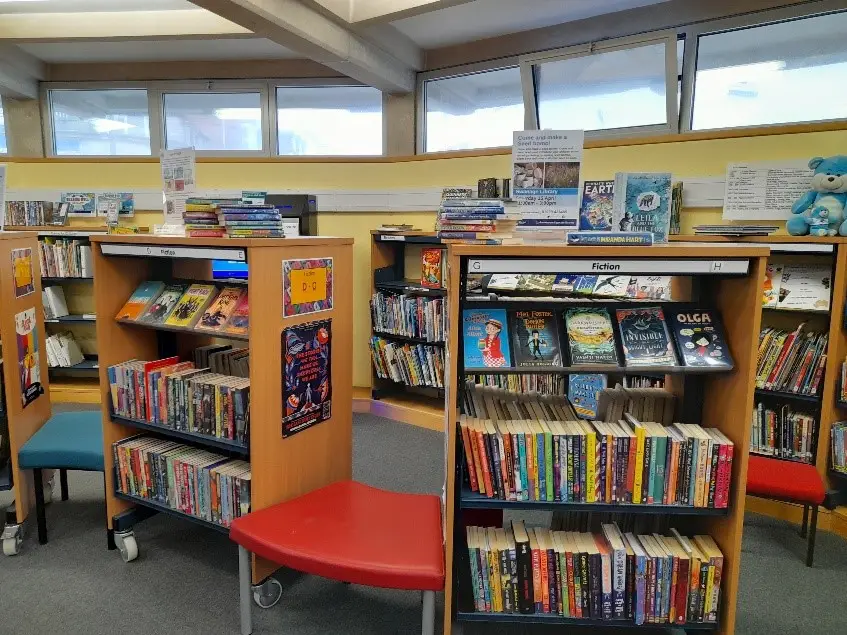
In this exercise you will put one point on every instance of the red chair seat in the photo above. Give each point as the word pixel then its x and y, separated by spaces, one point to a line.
pixel 354 533
pixel 785 480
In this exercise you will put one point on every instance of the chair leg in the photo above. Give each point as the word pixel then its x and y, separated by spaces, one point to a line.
pixel 63 483
pixel 805 524
pixel 813 527
pixel 40 513
pixel 428 621
pixel 245 590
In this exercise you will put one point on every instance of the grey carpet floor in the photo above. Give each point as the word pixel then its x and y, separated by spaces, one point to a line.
pixel 185 579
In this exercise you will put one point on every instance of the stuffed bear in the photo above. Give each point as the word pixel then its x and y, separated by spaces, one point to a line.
pixel 821 210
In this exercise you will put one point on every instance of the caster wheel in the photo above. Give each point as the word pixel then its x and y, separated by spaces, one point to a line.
pixel 127 546
pixel 12 546
pixel 267 595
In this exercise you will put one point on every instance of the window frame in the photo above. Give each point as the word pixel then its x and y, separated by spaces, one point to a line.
pixel 529 75
pixel 5 153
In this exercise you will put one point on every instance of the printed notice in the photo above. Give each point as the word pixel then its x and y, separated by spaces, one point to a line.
pixel 545 174
pixel 179 174
pixel 764 190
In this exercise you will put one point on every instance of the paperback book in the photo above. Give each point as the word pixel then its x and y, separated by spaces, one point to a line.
pixel 486 338
pixel 221 309
pixel 595 210
pixel 591 338
pixel 699 338
pixel 645 338
pixel 191 305
pixel 433 265
pixel 535 339
pixel 140 300
pixel 643 203
pixel 583 391
pixel 239 321
pixel 159 311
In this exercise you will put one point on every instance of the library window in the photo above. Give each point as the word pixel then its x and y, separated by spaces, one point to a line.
pixel 222 122
pixel 773 74
pixel 480 110
pixel 113 122
pixel 329 120
pixel 621 88
pixel 4 148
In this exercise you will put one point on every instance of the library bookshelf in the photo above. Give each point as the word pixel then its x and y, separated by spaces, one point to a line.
pixel 281 468
pixel 396 270
pixel 23 420
pixel 726 278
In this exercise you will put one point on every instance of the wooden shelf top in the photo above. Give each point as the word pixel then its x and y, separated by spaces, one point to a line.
pixel 773 238
pixel 654 252
pixel 58 229
pixel 149 239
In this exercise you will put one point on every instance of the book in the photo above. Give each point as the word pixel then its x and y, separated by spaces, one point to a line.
pixel 220 310
pixel 699 338
pixel 159 311
pixel 805 287
pixel 535 338
pixel 591 338
pixel 643 203
pixel 783 432
pixel 486 338
pixel 615 287
pixel 591 238
pixel 791 361
pixel 653 288
pixel 432 267
pixel 408 364
pixel 773 282
pixel 143 296
pixel 645 338
pixel 595 208
pixel 584 391
pixel 191 305
pixel 55 305
pixel 409 316
pixel 239 321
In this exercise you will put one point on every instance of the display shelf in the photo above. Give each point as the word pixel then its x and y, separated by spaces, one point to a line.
pixel 780 458
pixel 776 394
pixel 600 368
pixel 558 620
pixel 801 311
pixel 159 507
pixel 55 280
pixel 70 319
pixel 193 437
pixel 474 500
pixel 410 340
pixel 409 288
pixel 420 238
pixel 183 329
pixel 86 368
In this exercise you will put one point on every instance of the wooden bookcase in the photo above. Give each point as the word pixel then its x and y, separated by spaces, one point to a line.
pixel 727 278
pixel 23 421
pixel 281 468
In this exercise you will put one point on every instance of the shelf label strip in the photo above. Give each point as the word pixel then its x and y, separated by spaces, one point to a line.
pixel 173 251
pixel 612 265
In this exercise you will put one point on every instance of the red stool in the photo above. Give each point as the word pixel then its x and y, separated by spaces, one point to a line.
pixel 350 532
pixel 790 482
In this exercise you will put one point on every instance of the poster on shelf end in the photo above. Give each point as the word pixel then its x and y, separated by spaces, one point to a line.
pixel 306 376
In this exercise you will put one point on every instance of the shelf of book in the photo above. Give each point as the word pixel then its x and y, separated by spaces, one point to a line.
pixel 726 280
pixel 281 467
pixel 409 288
pixel 71 319
pixel 60 279
pixel 791 396
pixel 195 438
pixel 86 368
pixel 410 340
pixel 558 620
pixel 778 458
pixel 164 509
pixel 183 329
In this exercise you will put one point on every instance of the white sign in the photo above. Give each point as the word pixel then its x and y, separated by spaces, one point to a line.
pixel 587 265
pixel 545 174
pixel 764 190
pixel 173 251
pixel 179 182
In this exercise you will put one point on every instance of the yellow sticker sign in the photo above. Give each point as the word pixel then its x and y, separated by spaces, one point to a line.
pixel 308 285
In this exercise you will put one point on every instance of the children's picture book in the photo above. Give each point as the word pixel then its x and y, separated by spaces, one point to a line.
pixel 191 305
pixel 653 288
pixel 307 376
pixel 645 337
pixel 805 287
pixel 615 287
pixel 140 300
pixel 536 282
pixel 432 267
pixel 595 209
pixel 699 338
pixel 643 203
pixel 503 282
pixel 220 310
pixel 29 359
pixel 591 338
pixel 535 339
pixel 585 285
pixel 773 282
pixel 22 272
pixel 584 391
pixel 565 283
pixel 159 311
pixel 486 338
pixel 239 321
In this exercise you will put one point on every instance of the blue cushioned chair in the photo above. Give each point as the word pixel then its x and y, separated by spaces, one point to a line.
pixel 68 441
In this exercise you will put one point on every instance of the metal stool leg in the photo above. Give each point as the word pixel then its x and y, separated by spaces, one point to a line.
pixel 805 524
pixel 245 590
pixel 428 621
pixel 813 527
pixel 63 483
pixel 40 513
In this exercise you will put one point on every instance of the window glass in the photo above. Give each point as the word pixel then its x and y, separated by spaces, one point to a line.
pixel 329 120
pixel 614 89
pixel 100 122
pixel 777 73
pixel 473 111
pixel 3 147
pixel 214 121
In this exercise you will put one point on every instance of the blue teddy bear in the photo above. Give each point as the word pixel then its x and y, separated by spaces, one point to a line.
pixel 821 210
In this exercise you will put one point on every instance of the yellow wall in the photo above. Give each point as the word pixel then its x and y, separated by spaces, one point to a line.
pixel 683 158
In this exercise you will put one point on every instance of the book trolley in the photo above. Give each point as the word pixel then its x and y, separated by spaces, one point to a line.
pixel 725 278
pixel 281 468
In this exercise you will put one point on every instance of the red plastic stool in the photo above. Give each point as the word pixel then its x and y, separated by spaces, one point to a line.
pixel 350 532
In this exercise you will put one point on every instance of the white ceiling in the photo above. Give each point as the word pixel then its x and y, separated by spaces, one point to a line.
pixel 157 50
pixel 82 6
pixel 488 18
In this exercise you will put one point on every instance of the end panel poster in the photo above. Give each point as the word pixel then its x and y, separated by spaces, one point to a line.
pixel 306 376
pixel 29 361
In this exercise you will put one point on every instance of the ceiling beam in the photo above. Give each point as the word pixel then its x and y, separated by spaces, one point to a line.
pixel 20 73
pixel 310 32
pixel 117 26
pixel 382 11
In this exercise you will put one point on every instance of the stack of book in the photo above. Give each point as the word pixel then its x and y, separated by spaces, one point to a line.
pixel 63 350
pixel 791 361
pixel 735 230
pixel 251 221
pixel 783 433
pixel 839 446
pixel 201 217
pixel 202 484
pixel 65 258
pixel 409 364
pixel 178 395
pixel 29 213
pixel 409 316
pixel 609 575
pixel 476 221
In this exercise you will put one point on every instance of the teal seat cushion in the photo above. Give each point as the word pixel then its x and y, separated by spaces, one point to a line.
pixel 70 440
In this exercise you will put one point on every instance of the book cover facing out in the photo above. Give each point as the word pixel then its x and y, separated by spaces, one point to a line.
pixel 645 337
pixel 159 311
pixel 590 336
pixel 486 338
pixel 595 209
pixel 432 267
pixel 535 339
pixel 583 392
pixel 643 203
pixel 306 376
pixel 699 338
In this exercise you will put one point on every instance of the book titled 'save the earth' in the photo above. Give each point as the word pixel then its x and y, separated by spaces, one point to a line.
pixel 699 338
pixel 535 339
pixel 591 339
pixel 645 337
